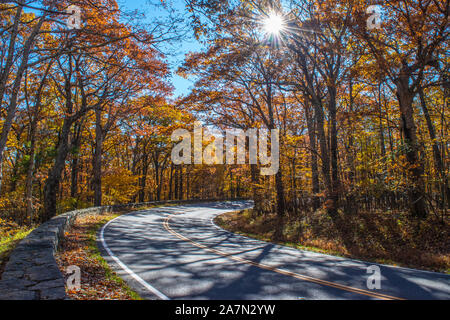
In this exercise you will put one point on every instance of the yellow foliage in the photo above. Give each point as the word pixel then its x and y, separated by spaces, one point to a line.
pixel 119 186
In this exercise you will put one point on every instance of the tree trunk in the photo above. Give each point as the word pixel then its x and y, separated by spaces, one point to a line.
pixel 350 206
pixel 334 152
pixel 97 161
pixel 320 120
pixel 281 201
pixel 143 179
pixel 54 177
pixel 416 170
pixel 294 185
pixel 314 161
pixel 436 152
pixel 74 177
pixel 176 184
pixel 380 117
pixel 30 172
pixel 256 191
pixel 11 51
pixel 170 197
pixel 160 181
pixel 76 144
pixel 180 186
pixel 232 194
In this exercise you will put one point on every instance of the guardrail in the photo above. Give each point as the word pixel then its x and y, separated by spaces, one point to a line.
pixel 32 272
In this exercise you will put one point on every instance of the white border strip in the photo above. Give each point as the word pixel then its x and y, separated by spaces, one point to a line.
pixel 150 288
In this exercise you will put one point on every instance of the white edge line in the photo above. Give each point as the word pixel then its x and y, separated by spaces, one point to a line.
pixel 149 287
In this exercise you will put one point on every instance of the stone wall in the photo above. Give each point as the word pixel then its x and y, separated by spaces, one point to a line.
pixel 32 272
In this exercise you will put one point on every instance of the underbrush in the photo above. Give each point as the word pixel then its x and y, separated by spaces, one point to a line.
pixel 382 237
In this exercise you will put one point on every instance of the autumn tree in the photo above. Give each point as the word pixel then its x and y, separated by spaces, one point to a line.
pixel 406 49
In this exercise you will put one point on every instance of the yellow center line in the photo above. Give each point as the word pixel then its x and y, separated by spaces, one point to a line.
pixel 280 271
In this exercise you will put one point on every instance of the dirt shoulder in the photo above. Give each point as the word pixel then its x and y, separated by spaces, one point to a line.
pixel 98 280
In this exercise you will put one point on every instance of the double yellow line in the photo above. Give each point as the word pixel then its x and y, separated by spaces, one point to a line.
pixel 280 271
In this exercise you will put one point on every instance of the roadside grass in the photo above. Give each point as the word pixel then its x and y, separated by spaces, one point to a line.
pixel 95 253
pixel 98 280
pixel 386 238
pixel 10 235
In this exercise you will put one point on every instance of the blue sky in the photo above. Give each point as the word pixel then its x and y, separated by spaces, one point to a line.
pixel 175 53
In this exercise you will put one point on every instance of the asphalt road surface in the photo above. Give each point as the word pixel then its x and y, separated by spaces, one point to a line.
pixel 179 253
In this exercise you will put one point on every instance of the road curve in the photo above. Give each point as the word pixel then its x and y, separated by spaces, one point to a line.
pixel 179 253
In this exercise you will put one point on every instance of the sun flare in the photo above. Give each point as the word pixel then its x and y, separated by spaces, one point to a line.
pixel 274 24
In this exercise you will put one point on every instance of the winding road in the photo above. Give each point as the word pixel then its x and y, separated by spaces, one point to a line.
pixel 179 253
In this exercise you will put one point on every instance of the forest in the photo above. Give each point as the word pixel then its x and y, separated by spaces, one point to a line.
pixel 87 112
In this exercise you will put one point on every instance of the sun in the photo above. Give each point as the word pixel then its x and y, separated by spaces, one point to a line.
pixel 274 24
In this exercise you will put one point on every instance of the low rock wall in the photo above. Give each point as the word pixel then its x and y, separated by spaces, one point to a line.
pixel 32 272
